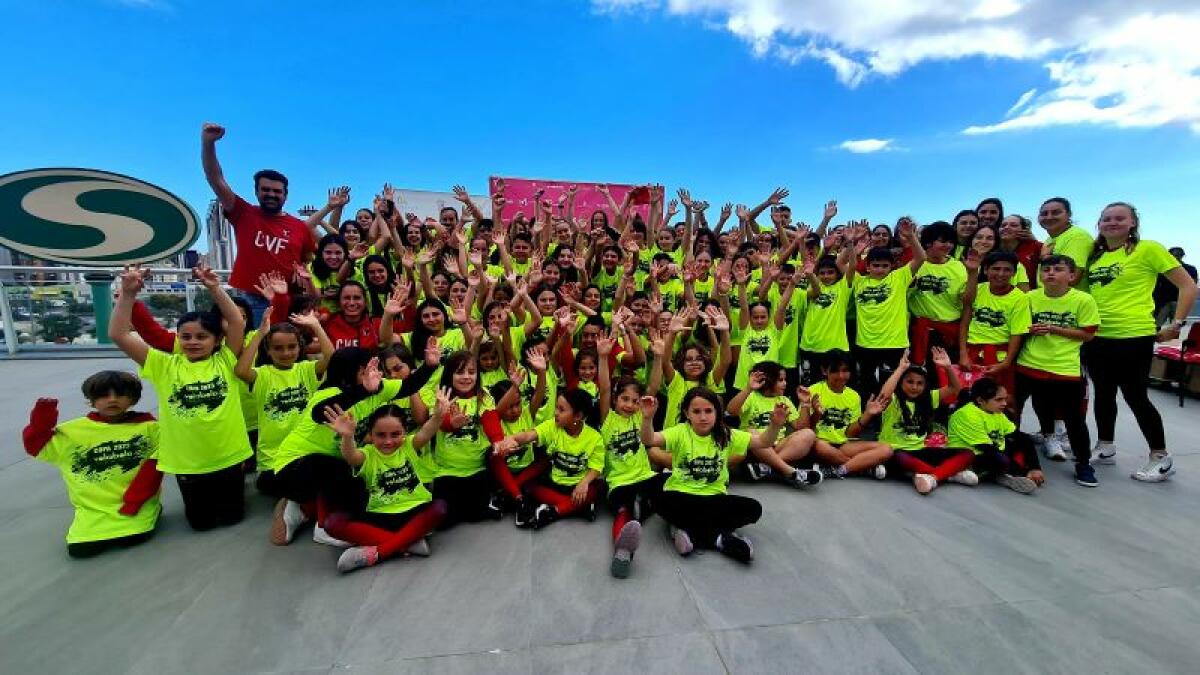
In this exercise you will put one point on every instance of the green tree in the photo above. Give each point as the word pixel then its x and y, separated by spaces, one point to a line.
pixel 60 328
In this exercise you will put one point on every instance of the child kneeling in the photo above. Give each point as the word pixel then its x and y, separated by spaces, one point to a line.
pixel 108 462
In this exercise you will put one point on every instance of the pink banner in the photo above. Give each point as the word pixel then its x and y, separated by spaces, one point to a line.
pixel 518 195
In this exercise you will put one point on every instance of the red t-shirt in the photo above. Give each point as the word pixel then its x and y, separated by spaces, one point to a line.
pixel 266 244
pixel 342 333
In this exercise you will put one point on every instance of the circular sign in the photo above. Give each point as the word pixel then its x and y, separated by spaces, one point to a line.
pixel 89 217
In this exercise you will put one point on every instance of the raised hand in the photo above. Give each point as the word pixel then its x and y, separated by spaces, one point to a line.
pixel 442 402
pixel 536 358
pixel 877 404
pixel 726 210
pixel 338 196
pixel 830 209
pixel 778 196
pixel 779 414
pixel 372 377
pixel 685 197
pixel 206 276
pixel 605 344
pixel 940 358
pixel 360 250
pixel 460 193
pixel 717 318
pixel 804 395
pixel 649 404
pixel 341 421
pixel 757 381
pixel 307 319
pixel 672 208
pixel 433 352
pixel 743 213
pixel 458 418
pixel 133 278
pixel 212 132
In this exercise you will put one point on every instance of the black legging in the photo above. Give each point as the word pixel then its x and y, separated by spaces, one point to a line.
pixel 328 477
pixel 627 496
pixel 1017 459
pixel 704 517
pixel 466 497
pixel 874 366
pixel 88 549
pixel 1124 363
pixel 212 500
pixel 1051 397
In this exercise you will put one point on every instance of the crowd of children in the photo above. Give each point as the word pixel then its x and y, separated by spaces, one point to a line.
pixel 422 373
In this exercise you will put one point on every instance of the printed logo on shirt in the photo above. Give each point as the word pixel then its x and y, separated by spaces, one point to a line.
pixel 286 402
pixel 996 437
pixel 94 464
pixel 1060 319
pixel 703 468
pixel 835 418
pixel 187 400
pixel 789 313
pixel 625 443
pixel 1103 276
pixel 701 297
pixel 760 421
pixel 391 483
pixel 825 300
pixel 873 295
pixel 759 345
pixel 911 428
pixel 273 244
pixel 468 432
pixel 932 284
pixel 567 463
pixel 989 317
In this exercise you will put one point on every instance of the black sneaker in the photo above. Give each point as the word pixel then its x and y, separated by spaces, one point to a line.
pixel 757 470
pixel 503 502
pixel 804 478
pixel 735 546
pixel 524 514
pixel 543 516
pixel 1085 475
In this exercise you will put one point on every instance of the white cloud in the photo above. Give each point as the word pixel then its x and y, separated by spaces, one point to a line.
pixel 867 145
pixel 1112 62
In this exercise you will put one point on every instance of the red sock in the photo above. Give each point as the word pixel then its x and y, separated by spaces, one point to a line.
pixel 960 462
pixel 619 521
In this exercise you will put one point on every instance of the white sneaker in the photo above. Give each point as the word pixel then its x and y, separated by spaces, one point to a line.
pixel 322 537
pixel 419 548
pixel 1052 448
pixel 1105 452
pixel 285 521
pixel 1156 470
pixel 924 483
pixel 879 472
pixel 965 477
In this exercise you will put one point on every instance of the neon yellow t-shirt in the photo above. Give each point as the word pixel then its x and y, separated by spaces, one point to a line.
pixel 698 466
pixel 756 413
pixel 392 480
pixel 672 294
pixel 996 318
pixel 462 452
pixel 936 291
pixel 608 283
pixel 703 288
pixel 280 397
pixel 896 433
pixel 98 461
pixel 1055 353
pixel 825 320
pixel 793 322
pixel 625 458
pixel 308 437
pixel 1076 244
pixel 757 346
pixel 1123 286
pixel 881 307
pixel 201 427
pixel 838 412
pixel 529 388
pixel 523 456
pixel 971 426
pixel 571 456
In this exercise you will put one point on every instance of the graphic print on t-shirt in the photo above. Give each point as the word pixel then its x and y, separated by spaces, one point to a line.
pixel 1060 319
pixel 990 317
pixel 759 345
pixel 1103 276
pixel 95 463
pixel 285 402
pixel 838 418
pixel 625 442
pixel 707 469
pixel 185 400
pixel 394 481
pixel 468 432
pixel 873 295
pixel 568 463
pixel 824 300
pixel 932 284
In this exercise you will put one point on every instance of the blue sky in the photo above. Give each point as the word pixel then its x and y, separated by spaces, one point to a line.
pixel 729 99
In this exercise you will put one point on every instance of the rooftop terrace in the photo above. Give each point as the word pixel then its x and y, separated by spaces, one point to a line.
pixel 856 576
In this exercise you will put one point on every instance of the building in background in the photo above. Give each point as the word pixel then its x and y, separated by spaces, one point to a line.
pixel 221 250
pixel 427 203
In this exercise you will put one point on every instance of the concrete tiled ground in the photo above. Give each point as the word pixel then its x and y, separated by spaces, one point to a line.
pixel 855 577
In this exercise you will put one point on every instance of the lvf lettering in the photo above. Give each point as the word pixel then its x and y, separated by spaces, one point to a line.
pixel 272 243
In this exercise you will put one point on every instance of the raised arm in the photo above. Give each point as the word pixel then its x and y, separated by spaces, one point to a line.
pixel 338 198
pixel 245 364
pixel 604 348
pixel 235 325
pixel 342 423
pixel 210 133
pixel 649 436
pixel 893 381
pixel 777 196
pixel 119 328
pixel 430 427
pixel 310 321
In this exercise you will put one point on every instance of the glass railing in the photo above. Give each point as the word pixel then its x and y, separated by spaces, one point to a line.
pixel 52 308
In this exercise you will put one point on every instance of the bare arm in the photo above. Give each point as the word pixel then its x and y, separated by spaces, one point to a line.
pixel 209 135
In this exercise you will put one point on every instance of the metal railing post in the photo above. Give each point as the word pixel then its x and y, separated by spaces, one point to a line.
pixel 11 340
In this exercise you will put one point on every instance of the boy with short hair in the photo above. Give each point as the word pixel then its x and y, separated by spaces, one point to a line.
pixel 108 462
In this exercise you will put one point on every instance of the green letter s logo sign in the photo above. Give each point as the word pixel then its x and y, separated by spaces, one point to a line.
pixel 89 217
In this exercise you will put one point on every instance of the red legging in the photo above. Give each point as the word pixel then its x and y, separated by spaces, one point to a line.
pixel 417 523
pixel 514 483
pixel 941 463
pixel 922 327
pixel 562 502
